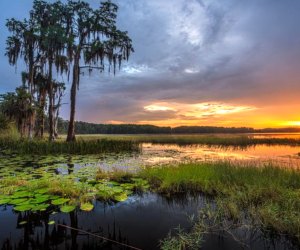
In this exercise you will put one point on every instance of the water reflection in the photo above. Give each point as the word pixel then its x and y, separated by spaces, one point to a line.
pixel 258 154
pixel 141 222
pixel 158 154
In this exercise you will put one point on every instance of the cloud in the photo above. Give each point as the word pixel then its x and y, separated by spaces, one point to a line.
pixel 239 54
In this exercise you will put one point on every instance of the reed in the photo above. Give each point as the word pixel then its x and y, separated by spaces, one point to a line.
pixel 268 195
pixel 214 140
pixel 43 147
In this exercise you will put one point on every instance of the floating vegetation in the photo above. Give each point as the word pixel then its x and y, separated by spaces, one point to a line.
pixel 87 207
pixel 67 208
pixel 44 188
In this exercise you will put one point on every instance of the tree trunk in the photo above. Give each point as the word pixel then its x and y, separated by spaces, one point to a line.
pixel 31 91
pixel 50 111
pixel 75 82
pixel 41 115
pixel 56 123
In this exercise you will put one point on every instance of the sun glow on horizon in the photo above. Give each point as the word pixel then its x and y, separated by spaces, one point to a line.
pixel 187 114
pixel 291 123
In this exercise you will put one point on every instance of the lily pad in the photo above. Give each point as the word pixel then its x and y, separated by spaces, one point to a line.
pixel 59 201
pixel 23 208
pixel 121 197
pixel 86 207
pixel 67 208
pixel 4 201
pixel 40 207
pixel 17 201
pixel 21 194
pixel 42 191
pixel 41 199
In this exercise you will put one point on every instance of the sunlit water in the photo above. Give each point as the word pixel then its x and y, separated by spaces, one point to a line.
pixel 259 154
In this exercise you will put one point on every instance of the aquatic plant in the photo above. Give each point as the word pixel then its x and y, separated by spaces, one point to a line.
pixel 268 195
pixel 233 140
pixel 41 189
pixel 43 147
pixel 182 240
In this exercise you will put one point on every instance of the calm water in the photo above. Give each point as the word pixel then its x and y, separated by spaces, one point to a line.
pixel 141 221
pixel 162 154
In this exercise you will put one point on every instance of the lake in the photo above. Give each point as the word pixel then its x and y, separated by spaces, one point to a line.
pixel 144 219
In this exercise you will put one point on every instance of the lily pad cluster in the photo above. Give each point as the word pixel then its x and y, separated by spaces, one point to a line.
pixel 43 188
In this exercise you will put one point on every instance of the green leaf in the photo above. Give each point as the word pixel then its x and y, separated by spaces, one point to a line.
pixel 41 199
pixel 67 208
pixel 21 194
pixel 86 207
pixel 121 197
pixel 52 222
pixel 59 201
pixel 42 191
pixel 23 208
pixel 17 201
pixel 5 201
pixel 40 207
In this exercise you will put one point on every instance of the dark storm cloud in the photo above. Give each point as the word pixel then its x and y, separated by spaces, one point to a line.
pixel 232 51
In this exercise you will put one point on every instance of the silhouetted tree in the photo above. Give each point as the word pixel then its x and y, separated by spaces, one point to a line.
pixel 17 106
pixel 96 40
pixel 23 43
pixel 40 42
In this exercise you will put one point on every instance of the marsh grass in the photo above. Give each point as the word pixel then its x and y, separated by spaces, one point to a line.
pixel 269 196
pixel 187 139
pixel 43 147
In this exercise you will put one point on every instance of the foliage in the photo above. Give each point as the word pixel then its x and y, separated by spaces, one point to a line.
pixel 268 195
pixel 43 147
pixel 40 42
pixel 60 36
pixel 41 189
pixel 17 107
pixel 4 122
pixel 182 240
pixel 240 141
pixel 93 128
pixel 94 37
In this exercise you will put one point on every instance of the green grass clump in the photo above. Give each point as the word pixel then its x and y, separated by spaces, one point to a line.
pixel 270 196
pixel 42 147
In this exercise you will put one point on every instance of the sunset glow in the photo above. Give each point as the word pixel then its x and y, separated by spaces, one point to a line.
pixel 201 63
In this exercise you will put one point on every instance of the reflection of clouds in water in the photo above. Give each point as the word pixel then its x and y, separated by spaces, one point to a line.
pixel 157 154
pixel 258 155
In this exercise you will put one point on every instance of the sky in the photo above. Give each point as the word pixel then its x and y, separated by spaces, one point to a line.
pixel 196 62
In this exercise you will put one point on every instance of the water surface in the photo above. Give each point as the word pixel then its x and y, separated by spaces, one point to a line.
pixel 141 221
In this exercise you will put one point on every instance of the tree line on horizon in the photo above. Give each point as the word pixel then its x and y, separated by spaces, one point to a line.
pixel 93 128
pixel 67 38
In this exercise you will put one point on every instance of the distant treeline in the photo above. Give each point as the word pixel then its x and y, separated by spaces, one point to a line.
pixel 92 128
